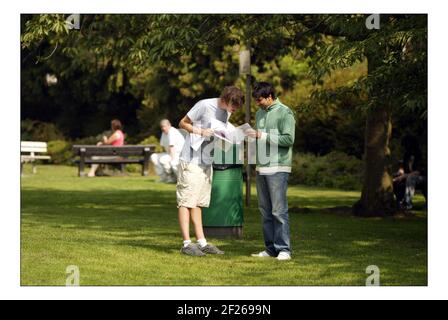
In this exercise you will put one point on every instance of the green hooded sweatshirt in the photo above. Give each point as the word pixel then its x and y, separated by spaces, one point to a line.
pixel 274 148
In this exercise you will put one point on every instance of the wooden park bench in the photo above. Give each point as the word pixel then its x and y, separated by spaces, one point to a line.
pixel 30 151
pixel 89 154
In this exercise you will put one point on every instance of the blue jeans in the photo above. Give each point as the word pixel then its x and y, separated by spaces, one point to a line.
pixel 412 182
pixel 273 205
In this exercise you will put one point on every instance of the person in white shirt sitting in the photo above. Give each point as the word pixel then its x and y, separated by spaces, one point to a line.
pixel 166 163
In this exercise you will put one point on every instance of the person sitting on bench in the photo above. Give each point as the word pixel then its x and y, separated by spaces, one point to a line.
pixel 116 139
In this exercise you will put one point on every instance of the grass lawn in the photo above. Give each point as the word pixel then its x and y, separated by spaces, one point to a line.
pixel 124 231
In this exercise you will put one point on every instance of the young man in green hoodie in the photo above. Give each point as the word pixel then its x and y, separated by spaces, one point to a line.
pixel 275 125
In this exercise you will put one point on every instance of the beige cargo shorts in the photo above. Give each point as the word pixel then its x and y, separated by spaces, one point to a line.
pixel 194 185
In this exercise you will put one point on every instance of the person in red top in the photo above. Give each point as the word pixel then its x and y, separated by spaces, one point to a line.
pixel 116 139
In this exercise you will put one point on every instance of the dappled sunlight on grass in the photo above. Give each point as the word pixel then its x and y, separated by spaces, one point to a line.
pixel 124 231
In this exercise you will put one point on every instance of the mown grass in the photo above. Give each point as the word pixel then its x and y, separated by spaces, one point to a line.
pixel 124 231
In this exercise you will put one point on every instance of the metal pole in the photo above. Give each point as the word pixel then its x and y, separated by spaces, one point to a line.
pixel 248 98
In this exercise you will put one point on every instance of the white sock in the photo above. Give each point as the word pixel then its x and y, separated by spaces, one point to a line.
pixel 186 243
pixel 202 242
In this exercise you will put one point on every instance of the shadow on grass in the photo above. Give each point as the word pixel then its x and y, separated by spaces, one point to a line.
pixel 335 242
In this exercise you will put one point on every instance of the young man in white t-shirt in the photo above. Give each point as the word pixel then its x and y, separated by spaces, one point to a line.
pixel 166 163
pixel 195 168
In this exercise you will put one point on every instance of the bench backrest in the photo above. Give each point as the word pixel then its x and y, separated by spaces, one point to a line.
pixel 33 147
pixel 89 150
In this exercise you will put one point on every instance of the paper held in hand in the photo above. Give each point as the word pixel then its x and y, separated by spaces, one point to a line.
pixel 229 133
pixel 226 132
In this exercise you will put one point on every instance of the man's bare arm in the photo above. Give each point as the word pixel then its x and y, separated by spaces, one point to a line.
pixel 187 125
pixel 172 152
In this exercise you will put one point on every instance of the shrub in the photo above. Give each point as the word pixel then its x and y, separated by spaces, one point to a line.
pixel 153 140
pixel 133 168
pixel 93 140
pixel 32 130
pixel 60 152
pixel 334 170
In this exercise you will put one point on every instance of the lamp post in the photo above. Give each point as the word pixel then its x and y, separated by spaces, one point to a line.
pixel 245 71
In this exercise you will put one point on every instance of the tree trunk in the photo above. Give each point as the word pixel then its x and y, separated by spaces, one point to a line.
pixel 377 197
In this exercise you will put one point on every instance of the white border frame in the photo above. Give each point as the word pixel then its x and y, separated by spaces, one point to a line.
pixel 10 182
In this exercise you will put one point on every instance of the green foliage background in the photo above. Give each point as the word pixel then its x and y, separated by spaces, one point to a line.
pixel 142 68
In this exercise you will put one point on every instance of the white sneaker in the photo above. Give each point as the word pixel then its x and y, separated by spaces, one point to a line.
pixel 262 254
pixel 284 256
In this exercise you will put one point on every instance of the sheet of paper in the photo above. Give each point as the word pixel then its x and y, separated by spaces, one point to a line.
pixel 222 130
pixel 196 141
pixel 241 132
pixel 229 133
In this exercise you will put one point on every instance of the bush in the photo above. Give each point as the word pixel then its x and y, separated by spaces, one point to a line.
pixel 93 140
pixel 153 140
pixel 334 170
pixel 60 152
pixel 32 130
pixel 133 168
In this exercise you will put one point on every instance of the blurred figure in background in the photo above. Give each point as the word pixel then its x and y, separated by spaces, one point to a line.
pixel 412 174
pixel 116 139
pixel 166 163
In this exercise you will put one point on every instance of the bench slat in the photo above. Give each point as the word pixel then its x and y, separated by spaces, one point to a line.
pixel 113 151
pixel 33 144
pixel 26 146
pixel 85 152
pixel 43 150
pixel 111 161
pixel 35 157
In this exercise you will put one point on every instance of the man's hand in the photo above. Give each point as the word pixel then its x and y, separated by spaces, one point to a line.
pixel 253 134
pixel 207 132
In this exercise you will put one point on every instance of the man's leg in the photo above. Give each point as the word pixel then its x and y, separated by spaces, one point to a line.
pixel 165 163
pixel 196 218
pixel 155 159
pixel 93 169
pixel 265 207
pixel 184 222
pixel 278 187
pixel 411 184
pixel 188 248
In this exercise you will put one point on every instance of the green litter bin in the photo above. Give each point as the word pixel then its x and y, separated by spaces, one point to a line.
pixel 224 217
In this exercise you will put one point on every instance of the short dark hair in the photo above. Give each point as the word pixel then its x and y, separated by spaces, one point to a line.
pixel 233 96
pixel 116 124
pixel 263 90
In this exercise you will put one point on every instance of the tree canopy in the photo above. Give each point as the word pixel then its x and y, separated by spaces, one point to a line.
pixel 337 74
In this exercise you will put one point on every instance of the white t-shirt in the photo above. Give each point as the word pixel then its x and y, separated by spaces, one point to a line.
pixel 173 138
pixel 201 115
